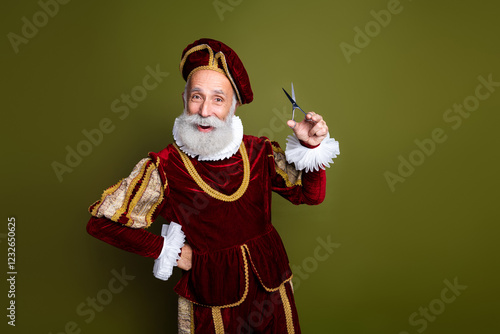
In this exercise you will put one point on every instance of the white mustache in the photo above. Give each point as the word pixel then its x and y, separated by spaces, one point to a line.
pixel 197 119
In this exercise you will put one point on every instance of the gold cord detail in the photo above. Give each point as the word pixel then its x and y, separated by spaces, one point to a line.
pixel 209 190
pixel 218 324
pixel 94 208
pixel 130 190
pixel 228 74
pixel 195 49
pixel 289 279
pixel 247 285
pixel 288 310
pixel 287 171
pixel 212 65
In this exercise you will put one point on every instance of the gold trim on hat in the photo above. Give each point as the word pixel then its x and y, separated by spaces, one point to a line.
pixel 224 64
pixel 212 65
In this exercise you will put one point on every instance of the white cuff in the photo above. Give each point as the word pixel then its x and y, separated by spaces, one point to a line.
pixel 311 159
pixel 173 240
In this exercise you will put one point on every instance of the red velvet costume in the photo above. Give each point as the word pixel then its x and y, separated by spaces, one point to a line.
pixel 240 277
pixel 236 249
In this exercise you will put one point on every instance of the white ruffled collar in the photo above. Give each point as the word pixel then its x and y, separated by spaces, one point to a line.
pixel 227 152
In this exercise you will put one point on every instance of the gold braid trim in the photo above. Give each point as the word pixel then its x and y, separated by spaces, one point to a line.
pixel 218 324
pixel 290 175
pixel 212 62
pixel 192 318
pixel 130 190
pixel 245 293
pixel 288 310
pixel 285 177
pixel 228 74
pixel 216 310
pixel 106 192
pixel 145 175
pixel 138 195
pixel 258 276
pixel 149 216
pixel 212 65
pixel 209 190
pixel 163 172
pixel 194 49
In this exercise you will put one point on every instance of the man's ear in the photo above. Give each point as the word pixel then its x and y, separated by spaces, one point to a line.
pixel 183 100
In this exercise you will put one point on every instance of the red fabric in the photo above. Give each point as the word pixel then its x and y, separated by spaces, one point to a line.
pixel 234 64
pixel 216 229
pixel 312 193
pixel 262 312
pixel 137 241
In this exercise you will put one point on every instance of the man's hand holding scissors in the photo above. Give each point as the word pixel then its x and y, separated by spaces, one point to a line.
pixel 312 129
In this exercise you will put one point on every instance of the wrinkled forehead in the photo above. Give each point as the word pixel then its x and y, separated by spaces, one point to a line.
pixel 207 81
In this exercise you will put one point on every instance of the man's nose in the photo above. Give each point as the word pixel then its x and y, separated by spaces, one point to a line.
pixel 205 109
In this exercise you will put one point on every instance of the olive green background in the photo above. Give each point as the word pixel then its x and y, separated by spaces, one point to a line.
pixel 396 247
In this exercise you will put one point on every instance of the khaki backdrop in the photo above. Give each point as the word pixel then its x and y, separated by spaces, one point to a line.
pixel 407 238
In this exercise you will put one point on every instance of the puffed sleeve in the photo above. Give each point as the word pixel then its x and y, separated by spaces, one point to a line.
pixel 134 201
pixel 124 210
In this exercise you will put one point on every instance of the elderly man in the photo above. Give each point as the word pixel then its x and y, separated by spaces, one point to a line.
pixel 215 184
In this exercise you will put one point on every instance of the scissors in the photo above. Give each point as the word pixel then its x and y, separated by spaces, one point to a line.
pixel 294 104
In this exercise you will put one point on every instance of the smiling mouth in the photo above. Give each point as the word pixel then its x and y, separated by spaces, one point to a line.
pixel 204 128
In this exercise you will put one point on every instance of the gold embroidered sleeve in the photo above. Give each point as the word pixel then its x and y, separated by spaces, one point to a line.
pixel 134 200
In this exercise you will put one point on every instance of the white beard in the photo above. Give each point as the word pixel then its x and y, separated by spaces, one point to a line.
pixel 204 143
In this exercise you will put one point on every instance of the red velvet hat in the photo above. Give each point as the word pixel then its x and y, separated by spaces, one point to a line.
pixel 209 54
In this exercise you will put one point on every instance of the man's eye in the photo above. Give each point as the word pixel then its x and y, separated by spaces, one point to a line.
pixel 218 99
pixel 195 97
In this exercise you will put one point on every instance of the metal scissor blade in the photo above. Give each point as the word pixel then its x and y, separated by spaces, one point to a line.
pixel 289 97
pixel 294 104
